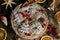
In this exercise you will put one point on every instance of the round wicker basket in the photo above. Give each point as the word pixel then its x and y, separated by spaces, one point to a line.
pixel 16 24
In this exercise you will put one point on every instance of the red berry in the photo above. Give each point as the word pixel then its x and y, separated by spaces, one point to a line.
pixel 28 15
pixel 27 34
pixel 41 10
pixel 50 27
pixel 23 14
pixel 43 25
pixel 1 17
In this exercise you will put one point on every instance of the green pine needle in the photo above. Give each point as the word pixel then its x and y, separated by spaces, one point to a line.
pixel 51 16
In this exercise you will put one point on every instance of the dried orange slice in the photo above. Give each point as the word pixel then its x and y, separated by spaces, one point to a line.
pixel 57 15
pixel 3 34
pixel 40 1
pixel 46 38
pixel 31 0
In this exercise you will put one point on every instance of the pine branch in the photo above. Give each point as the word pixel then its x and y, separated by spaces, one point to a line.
pixel 51 15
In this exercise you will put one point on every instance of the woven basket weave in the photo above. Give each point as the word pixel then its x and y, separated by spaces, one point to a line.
pixel 15 24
